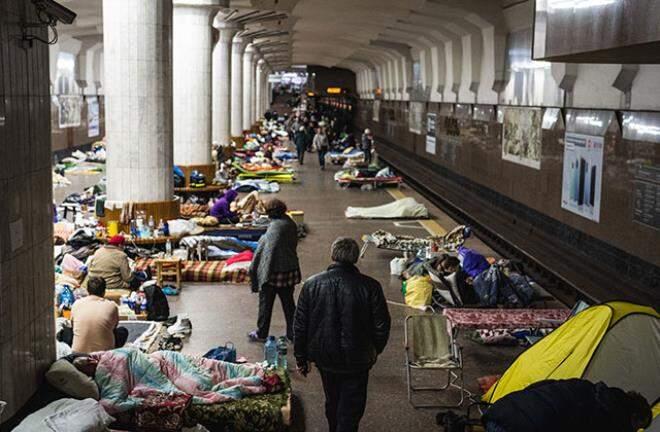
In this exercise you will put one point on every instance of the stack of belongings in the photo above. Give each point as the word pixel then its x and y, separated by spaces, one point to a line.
pixel 261 186
pixel 406 208
pixel 351 156
pixel 462 277
pixel 370 176
pixel 194 207
pixel 97 153
pixel 402 243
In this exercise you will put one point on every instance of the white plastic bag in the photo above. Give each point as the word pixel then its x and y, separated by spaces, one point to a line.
pixel 397 266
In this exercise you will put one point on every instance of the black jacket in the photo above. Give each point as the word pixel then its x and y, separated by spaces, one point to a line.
pixel 342 322
pixel 572 405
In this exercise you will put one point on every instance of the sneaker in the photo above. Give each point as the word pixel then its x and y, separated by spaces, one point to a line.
pixel 254 337
pixel 182 326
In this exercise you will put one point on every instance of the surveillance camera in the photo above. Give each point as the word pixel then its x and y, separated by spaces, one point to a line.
pixel 55 11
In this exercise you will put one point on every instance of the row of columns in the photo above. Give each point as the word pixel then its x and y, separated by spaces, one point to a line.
pixel 171 93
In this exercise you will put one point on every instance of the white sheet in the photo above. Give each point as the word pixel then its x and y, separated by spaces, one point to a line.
pixel 407 208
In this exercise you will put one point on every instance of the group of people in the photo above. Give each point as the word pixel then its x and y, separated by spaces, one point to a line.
pixel 341 322
pixel 317 131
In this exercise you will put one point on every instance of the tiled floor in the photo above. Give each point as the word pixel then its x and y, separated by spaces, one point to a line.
pixel 222 313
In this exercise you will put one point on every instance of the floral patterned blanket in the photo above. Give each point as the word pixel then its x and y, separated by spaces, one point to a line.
pixel 469 318
pixel 127 376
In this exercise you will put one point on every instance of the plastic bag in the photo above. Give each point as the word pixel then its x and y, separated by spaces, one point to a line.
pixel 418 291
pixel 397 266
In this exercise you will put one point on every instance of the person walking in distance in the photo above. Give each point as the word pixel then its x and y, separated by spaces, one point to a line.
pixel 322 145
pixel 341 324
pixel 367 145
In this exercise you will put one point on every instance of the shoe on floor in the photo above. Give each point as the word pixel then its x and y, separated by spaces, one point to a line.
pixel 181 326
pixel 254 337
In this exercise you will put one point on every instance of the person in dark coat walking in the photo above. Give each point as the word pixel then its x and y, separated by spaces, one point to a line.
pixel 367 145
pixel 275 269
pixel 572 405
pixel 342 324
pixel 300 140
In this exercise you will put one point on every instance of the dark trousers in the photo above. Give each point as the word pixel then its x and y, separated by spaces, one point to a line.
pixel 121 336
pixel 367 156
pixel 322 157
pixel 301 154
pixel 345 399
pixel 267 300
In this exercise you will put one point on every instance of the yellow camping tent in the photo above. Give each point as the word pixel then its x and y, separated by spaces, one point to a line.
pixel 617 343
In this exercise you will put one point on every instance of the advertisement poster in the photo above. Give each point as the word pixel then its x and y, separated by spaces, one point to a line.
pixel 521 136
pixel 93 123
pixel 430 132
pixel 415 119
pixel 69 111
pixel 583 172
pixel 376 113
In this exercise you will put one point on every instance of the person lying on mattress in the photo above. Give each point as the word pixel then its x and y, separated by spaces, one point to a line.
pixel 127 376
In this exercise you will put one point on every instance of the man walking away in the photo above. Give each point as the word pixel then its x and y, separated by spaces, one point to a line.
pixel 321 144
pixel 342 324
pixel 367 145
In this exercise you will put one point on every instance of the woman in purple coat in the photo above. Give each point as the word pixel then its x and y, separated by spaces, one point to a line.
pixel 221 208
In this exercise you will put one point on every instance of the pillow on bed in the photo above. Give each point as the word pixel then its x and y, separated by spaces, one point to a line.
pixel 71 414
pixel 66 378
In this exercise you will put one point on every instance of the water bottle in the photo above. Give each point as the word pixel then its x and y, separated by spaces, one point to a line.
pixel 270 351
pixel 168 248
pixel 281 353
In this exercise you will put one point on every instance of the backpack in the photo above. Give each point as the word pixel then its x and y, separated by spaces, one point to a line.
pixel 158 308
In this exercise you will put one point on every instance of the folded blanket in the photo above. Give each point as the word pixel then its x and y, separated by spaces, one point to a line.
pixel 126 376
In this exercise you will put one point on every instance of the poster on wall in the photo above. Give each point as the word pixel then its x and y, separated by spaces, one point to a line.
pixel 430 132
pixel 583 172
pixel 376 114
pixel 415 119
pixel 93 122
pixel 521 136
pixel 69 110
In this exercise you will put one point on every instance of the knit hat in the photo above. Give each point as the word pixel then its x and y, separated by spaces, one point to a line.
pixel 116 240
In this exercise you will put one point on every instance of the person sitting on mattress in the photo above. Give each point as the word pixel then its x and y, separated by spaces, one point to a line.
pixel 572 405
pixel 111 264
pixel 221 208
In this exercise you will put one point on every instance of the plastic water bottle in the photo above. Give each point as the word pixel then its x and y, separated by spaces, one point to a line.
pixel 270 351
pixel 168 248
pixel 281 353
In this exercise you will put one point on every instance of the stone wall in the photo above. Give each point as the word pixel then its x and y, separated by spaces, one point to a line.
pixel 26 239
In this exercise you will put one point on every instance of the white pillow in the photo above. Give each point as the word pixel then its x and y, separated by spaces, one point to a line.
pixel 85 416
pixel 36 420
pixel 66 378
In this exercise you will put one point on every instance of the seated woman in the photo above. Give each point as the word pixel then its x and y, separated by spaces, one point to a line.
pixel 221 208
pixel 110 263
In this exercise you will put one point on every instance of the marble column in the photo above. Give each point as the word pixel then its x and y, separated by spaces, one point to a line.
pixel 254 71
pixel 191 53
pixel 237 48
pixel 137 36
pixel 259 90
pixel 221 109
pixel 247 86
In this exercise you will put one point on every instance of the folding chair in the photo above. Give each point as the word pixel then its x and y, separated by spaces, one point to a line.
pixel 430 347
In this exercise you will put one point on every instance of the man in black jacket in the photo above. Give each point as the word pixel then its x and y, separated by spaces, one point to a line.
pixel 341 324
pixel 572 405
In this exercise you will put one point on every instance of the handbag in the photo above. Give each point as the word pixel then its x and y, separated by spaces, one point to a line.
pixel 226 353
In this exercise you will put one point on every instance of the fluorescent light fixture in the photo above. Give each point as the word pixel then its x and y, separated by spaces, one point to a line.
pixel 579 4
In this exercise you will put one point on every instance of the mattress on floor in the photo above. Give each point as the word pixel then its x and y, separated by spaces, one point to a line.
pixel 201 271
pixel 406 208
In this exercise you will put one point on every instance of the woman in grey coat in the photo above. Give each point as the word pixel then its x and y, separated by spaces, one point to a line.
pixel 275 269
